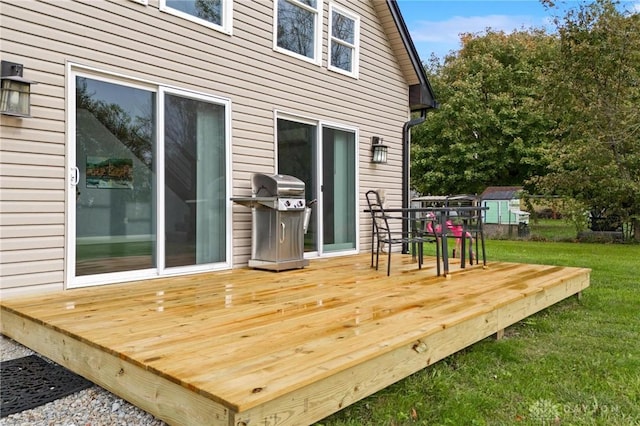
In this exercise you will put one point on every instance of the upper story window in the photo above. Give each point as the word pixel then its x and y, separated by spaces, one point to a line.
pixel 344 40
pixel 297 28
pixel 212 13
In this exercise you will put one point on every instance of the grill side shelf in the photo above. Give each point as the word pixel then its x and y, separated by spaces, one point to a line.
pixel 251 202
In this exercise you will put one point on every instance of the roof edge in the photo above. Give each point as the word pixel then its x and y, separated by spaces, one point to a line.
pixel 428 97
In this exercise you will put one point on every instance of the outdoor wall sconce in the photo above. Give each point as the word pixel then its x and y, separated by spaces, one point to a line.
pixel 15 91
pixel 378 150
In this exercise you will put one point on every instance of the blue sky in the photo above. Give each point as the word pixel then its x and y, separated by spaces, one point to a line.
pixel 436 25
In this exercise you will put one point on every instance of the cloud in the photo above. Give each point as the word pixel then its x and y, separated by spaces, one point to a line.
pixel 450 30
pixel 444 36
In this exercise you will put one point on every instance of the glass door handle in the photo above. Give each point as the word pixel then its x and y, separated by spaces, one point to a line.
pixel 75 176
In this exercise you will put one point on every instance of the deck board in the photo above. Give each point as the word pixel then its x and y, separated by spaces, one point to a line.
pixel 284 348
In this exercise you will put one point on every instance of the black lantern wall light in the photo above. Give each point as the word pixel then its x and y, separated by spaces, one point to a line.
pixel 378 150
pixel 15 92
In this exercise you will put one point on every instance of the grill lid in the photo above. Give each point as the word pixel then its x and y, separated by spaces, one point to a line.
pixel 276 186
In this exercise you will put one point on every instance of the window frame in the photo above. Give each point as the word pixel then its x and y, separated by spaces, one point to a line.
pixel 320 126
pixel 227 16
pixel 161 89
pixel 317 42
pixel 355 58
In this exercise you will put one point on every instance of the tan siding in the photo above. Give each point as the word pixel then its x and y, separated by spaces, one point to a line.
pixel 28 195
pixel 33 159
pixel 30 290
pixel 396 43
pixel 31 206
pixel 7 220
pixel 32 243
pixel 26 183
pixel 29 170
pixel 45 112
pixel 26 134
pixel 38 123
pixel 33 279
pixel 26 146
pixel 32 230
pixel 32 255
pixel 141 42
pixel 40 266
pixel 272 87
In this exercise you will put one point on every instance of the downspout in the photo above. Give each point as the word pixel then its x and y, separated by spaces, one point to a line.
pixel 406 165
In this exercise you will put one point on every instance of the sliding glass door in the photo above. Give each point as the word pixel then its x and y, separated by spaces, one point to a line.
pixel 328 170
pixel 150 182
pixel 115 218
pixel 194 181
pixel 297 156
pixel 338 190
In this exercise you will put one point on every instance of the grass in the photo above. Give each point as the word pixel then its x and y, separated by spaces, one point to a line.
pixel 575 363
pixel 552 230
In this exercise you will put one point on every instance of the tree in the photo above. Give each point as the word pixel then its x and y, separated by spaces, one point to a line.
pixel 136 133
pixel 210 10
pixel 490 128
pixel 594 93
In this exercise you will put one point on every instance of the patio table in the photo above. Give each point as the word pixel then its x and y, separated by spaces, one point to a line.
pixel 420 215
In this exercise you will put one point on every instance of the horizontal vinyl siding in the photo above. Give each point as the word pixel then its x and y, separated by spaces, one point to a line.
pixel 141 42
pixel 32 178
pixel 10 283
pixel 35 230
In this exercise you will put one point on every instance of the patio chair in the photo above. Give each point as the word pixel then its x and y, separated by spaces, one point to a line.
pixel 469 227
pixel 383 233
pixel 434 230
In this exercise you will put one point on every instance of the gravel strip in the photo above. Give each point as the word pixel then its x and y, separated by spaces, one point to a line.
pixel 90 407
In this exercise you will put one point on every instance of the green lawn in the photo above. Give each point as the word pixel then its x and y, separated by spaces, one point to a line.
pixel 552 230
pixel 576 363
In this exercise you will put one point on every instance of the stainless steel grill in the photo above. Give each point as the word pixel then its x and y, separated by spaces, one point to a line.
pixel 278 212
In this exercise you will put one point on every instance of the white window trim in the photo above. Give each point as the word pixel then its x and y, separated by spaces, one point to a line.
pixel 227 16
pixel 163 90
pixel 356 133
pixel 317 45
pixel 71 281
pixel 356 41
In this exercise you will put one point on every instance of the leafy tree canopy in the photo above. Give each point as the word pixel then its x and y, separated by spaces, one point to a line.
pixel 490 128
pixel 594 93
pixel 557 113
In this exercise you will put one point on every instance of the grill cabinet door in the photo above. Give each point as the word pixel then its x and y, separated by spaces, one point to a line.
pixel 290 235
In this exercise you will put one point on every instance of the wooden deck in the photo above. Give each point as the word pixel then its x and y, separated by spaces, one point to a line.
pixel 248 347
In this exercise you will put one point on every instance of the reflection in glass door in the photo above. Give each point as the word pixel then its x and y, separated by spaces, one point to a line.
pixel 297 157
pixel 194 181
pixel 338 190
pixel 146 204
pixel 115 191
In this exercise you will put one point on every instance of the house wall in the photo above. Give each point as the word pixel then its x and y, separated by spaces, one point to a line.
pixel 139 41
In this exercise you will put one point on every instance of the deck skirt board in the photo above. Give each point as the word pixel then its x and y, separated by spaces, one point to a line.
pixel 283 348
